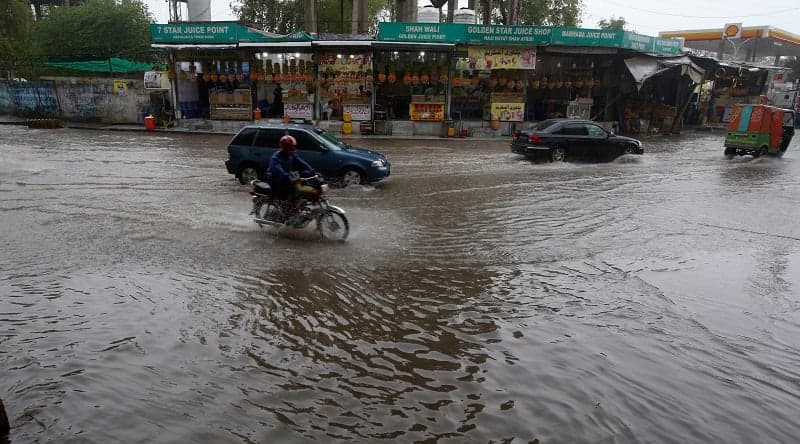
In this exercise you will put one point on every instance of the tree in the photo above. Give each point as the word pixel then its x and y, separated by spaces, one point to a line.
pixel 613 23
pixel 43 7
pixel 287 16
pixel 97 29
pixel 16 46
pixel 532 12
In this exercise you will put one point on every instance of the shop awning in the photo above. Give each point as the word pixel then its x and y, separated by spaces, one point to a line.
pixel 644 67
pixel 414 46
pixel 343 43
pixel 581 50
pixel 192 46
pixel 276 44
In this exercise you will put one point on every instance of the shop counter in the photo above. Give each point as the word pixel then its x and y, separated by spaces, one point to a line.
pixel 426 108
pixel 507 107
pixel 358 107
pixel 230 105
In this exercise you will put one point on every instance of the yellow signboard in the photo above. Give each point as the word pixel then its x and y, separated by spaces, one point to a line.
pixel 499 57
pixel 732 31
pixel 508 112
pixel 121 87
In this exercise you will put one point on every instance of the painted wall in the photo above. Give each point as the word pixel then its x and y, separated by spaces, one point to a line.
pixel 77 99
pixel 28 99
pixel 93 99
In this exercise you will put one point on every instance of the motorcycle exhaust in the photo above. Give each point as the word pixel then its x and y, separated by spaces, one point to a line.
pixel 262 222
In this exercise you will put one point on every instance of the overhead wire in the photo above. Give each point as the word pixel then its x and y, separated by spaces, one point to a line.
pixel 628 6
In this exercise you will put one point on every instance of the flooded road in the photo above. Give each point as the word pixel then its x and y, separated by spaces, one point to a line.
pixel 479 298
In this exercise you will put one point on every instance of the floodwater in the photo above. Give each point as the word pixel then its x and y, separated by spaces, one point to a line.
pixel 479 298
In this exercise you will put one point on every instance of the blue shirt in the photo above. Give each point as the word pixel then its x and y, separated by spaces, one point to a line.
pixel 281 168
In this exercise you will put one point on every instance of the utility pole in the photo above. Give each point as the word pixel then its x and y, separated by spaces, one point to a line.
pixel 406 10
pixel 359 23
pixel 310 15
pixel 451 10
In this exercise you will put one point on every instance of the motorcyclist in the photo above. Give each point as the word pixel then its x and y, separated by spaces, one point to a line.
pixel 285 184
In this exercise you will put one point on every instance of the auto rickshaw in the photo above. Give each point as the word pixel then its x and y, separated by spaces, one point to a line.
pixel 759 130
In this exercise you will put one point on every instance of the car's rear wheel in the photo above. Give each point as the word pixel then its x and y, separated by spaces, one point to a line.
pixel 352 176
pixel 248 173
pixel 558 154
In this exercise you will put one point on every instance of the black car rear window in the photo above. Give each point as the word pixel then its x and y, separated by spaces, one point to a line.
pixel 575 129
pixel 245 137
pixel 269 138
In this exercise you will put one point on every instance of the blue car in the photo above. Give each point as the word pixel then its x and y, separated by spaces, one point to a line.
pixel 250 150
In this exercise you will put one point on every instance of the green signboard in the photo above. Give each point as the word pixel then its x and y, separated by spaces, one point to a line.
pixel 637 42
pixel 501 34
pixel 586 37
pixel 643 43
pixel 421 32
pixel 667 46
pixel 464 33
pixel 219 33
pixel 195 32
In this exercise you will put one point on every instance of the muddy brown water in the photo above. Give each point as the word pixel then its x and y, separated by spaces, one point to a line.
pixel 479 298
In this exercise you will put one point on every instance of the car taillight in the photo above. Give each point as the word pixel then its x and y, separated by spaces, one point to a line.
pixel 534 138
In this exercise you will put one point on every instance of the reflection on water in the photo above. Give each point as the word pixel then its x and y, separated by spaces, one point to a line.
pixel 479 298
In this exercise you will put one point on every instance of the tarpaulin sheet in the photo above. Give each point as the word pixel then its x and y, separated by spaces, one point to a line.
pixel 644 67
pixel 109 65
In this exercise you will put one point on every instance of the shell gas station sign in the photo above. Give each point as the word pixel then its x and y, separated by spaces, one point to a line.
pixel 732 31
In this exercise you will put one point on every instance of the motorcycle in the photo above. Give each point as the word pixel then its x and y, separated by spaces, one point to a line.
pixel 331 223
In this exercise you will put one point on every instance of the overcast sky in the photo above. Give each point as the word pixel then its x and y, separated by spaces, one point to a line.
pixel 646 17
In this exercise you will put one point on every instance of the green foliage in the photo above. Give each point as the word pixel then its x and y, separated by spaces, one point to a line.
pixel 613 23
pixel 286 16
pixel 540 12
pixel 98 29
pixel 16 47
pixel 278 16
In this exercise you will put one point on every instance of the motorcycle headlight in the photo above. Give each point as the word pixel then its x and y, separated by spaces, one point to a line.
pixel 325 187
pixel 377 164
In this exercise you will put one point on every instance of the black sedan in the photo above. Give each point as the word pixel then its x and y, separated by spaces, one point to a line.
pixel 561 139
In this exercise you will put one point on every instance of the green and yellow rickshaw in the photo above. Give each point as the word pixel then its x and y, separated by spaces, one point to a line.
pixel 759 130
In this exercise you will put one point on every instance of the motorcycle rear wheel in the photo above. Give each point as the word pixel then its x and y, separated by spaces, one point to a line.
pixel 333 225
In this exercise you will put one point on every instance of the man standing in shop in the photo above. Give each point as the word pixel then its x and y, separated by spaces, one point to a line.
pixel 277 101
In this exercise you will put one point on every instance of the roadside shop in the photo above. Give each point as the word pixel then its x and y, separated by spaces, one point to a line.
pixel 216 73
pixel 502 76
pixel 415 79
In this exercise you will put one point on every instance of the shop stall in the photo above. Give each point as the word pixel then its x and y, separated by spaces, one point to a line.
pixel 735 84
pixel 288 86
pixel 412 84
pixel 212 85
pixel 346 85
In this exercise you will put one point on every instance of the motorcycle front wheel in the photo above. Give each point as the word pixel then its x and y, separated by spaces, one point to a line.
pixel 333 225
pixel 269 212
